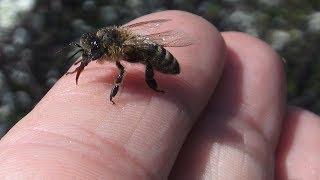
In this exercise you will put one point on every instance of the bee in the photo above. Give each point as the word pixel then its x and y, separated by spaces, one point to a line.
pixel 135 43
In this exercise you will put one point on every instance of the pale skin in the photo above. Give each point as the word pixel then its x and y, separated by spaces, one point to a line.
pixel 239 128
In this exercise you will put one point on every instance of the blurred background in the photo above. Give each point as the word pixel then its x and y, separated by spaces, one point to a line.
pixel 32 31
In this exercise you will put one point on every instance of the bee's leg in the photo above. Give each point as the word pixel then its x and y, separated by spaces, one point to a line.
pixel 150 79
pixel 77 62
pixel 118 82
pixel 79 69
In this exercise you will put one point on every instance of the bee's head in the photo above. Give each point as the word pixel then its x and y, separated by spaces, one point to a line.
pixel 91 45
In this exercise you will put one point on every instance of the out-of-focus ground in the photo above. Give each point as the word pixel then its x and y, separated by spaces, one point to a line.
pixel 31 31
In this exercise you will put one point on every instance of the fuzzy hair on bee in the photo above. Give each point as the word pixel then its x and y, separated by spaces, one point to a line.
pixel 127 43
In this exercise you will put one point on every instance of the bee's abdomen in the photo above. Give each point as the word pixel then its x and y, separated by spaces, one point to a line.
pixel 164 61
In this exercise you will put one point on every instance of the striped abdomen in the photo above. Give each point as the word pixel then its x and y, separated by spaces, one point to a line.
pixel 162 60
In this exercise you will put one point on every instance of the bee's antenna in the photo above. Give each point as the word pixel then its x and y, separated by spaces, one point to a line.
pixel 75 44
pixel 72 56
pixel 70 44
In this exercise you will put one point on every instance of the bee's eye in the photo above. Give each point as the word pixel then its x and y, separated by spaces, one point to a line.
pixel 95 44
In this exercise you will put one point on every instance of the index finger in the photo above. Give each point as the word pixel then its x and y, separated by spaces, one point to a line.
pixel 77 128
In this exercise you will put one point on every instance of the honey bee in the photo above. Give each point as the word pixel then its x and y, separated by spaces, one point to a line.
pixel 135 43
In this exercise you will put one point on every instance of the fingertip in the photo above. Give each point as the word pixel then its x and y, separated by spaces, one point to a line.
pixel 295 111
pixel 243 118
pixel 264 80
pixel 145 128
pixel 253 45
pixel 298 145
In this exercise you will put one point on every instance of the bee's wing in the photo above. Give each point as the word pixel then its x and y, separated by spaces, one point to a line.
pixel 171 38
pixel 150 25
pixel 149 31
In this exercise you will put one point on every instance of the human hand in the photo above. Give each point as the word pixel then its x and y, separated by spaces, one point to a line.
pixel 239 128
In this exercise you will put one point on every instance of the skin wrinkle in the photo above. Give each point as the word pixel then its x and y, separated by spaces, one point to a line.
pixel 38 132
pixel 251 123
pixel 60 126
pixel 220 156
pixel 137 123
pixel 134 148
pixel 248 124
pixel 245 163
pixel 247 119
pixel 121 150
pixel 107 143
pixel 87 76
pixel 176 115
pixel 250 108
pixel 71 171
pixel 51 146
pixel 216 162
pixel 247 108
pixel 178 142
pixel 140 119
